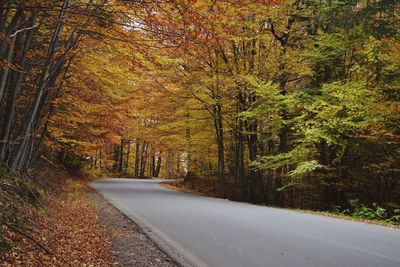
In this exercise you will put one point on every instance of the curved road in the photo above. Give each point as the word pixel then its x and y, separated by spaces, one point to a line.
pixel 202 231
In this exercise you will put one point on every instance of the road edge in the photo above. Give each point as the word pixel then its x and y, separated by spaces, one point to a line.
pixel 180 255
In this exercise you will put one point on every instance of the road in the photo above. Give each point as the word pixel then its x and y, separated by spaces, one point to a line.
pixel 202 231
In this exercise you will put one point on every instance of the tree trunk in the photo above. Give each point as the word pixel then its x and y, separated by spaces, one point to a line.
pixel 5 71
pixel 127 156
pixel 239 150
pixel 100 158
pixel 158 167
pixel 188 151
pixel 168 165
pixel 137 158
pixel 218 125
pixel 121 156
pixel 41 87
pixel 178 165
pixel 52 83
pixel 150 170
pixel 143 158
pixel 11 104
pixel 10 29
pixel 4 14
pixel 115 156
pixel 153 166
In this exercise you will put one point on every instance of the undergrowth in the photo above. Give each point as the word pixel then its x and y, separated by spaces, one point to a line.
pixel 75 189
pixel 17 196
pixel 374 212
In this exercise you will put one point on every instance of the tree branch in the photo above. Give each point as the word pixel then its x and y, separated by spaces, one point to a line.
pixel 27 236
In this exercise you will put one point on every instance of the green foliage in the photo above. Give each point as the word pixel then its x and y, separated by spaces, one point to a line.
pixel 343 110
pixel 358 210
pixel 363 212
pixel 268 108
pixel 305 168
pixel 396 217
pixel 327 50
pixel 340 111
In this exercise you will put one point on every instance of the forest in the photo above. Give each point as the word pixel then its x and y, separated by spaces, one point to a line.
pixel 289 103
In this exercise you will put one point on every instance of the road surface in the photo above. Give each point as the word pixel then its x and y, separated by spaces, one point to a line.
pixel 202 231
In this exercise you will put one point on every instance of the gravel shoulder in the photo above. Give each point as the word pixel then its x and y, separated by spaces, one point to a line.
pixel 130 246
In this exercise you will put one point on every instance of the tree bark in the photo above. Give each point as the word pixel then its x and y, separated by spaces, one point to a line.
pixel 218 125
pixel 158 167
pixel 121 156
pixel 137 158
pixel 239 149
pixel 11 103
pixel 41 86
pixel 153 166
pixel 178 165
pixel 5 71
pixel 10 29
pixel 168 165
pixel 127 156
pixel 143 158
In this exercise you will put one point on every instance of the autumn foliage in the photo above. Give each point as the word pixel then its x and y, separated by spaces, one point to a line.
pixel 287 103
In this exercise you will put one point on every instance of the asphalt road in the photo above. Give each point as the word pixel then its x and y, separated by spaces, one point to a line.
pixel 202 231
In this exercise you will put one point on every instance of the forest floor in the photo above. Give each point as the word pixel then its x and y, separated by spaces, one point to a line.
pixel 76 227
pixel 64 231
